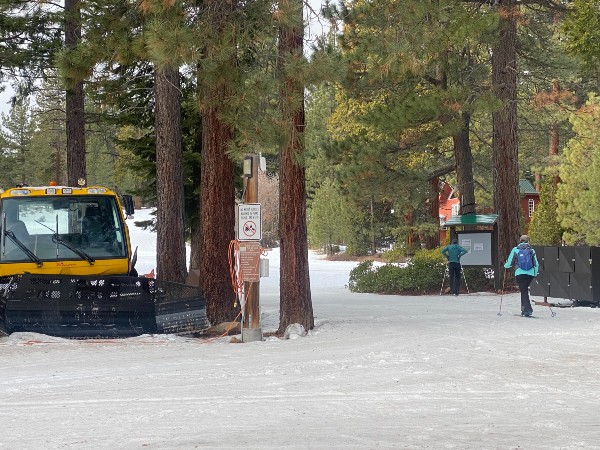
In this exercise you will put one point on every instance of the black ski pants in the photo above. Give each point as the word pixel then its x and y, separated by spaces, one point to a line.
pixel 524 281
pixel 454 274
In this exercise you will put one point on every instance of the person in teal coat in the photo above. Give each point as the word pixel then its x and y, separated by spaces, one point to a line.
pixel 453 253
pixel 523 276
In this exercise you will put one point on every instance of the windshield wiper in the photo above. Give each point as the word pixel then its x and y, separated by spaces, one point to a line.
pixel 23 247
pixel 57 239
pixel 83 255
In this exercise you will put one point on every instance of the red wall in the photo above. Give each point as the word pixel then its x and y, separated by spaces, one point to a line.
pixel 525 207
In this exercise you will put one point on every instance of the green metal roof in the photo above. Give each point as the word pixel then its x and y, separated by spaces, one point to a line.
pixel 472 219
pixel 525 187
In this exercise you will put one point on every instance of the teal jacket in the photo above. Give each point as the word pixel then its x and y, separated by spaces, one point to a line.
pixel 453 252
pixel 513 254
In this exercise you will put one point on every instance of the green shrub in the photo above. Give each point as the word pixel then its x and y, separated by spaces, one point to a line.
pixel 362 277
pixel 397 254
pixel 424 274
pixel 477 280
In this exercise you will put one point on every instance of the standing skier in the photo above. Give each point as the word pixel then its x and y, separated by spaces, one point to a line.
pixel 527 269
pixel 453 252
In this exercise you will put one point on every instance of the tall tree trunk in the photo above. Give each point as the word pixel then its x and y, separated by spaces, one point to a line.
pixel 294 279
pixel 75 120
pixel 372 224
pixel 464 166
pixel 195 228
pixel 433 240
pixel 461 142
pixel 217 212
pixel 170 245
pixel 504 141
pixel 554 136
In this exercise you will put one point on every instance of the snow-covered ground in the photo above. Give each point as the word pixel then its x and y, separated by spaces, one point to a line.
pixel 432 372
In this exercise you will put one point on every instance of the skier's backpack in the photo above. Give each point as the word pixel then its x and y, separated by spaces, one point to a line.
pixel 525 257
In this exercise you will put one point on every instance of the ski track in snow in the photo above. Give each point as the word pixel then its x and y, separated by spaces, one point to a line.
pixel 398 372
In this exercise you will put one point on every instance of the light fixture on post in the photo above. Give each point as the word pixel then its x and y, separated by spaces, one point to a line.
pixel 248 166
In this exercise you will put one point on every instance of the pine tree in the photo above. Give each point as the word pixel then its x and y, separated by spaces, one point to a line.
pixel 578 199
pixel 329 218
pixel 416 75
pixel 544 228
pixel 163 43
pixel 29 40
pixel 294 278
pixel 504 141
pixel 75 99
pixel 49 139
pixel 17 166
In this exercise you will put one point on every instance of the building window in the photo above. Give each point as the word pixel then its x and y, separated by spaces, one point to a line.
pixel 455 209
pixel 531 208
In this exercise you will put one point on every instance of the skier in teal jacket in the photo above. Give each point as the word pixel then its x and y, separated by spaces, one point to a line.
pixel 524 275
pixel 453 253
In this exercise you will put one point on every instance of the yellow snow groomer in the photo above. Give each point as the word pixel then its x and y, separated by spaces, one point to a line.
pixel 66 269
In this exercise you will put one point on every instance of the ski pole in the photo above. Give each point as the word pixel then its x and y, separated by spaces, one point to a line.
pixel 465 278
pixel 443 279
pixel 502 293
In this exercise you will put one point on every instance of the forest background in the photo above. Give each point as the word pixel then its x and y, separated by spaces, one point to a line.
pixel 360 124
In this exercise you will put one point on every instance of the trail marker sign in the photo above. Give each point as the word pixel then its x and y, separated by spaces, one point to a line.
pixel 249 222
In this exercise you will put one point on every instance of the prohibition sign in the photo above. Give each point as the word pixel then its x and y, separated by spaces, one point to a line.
pixel 249 228
pixel 248 222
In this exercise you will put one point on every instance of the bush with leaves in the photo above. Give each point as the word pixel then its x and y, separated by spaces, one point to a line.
pixel 424 274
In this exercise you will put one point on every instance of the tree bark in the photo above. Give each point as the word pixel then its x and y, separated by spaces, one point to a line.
pixel 464 166
pixel 554 135
pixel 504 140
pixel 433 240
pixel 75 120
pixel 294 282
pixel 217 212
pixel 195 224
pixel 170 245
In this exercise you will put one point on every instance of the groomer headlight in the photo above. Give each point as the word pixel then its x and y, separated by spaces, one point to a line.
pixel 20 192
pixel 96 191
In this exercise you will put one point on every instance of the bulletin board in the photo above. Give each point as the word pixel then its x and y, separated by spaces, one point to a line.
pixel 479 247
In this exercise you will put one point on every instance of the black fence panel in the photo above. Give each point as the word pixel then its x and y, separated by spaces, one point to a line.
pixel 540 285
pixel 559 284
pixel 568 272
pixel 581 287
pixel 551 259
pixel 566 259
pixel 539 254
pixel 583 260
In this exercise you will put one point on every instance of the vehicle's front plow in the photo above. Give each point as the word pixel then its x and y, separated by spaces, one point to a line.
pixel 91 306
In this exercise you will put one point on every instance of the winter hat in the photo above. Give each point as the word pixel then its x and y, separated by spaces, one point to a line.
pixel 524 238
pixel 455 241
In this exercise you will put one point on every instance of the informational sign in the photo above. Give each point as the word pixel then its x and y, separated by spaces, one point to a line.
pixel 249 222
pixel 250 261
pixel 479 246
